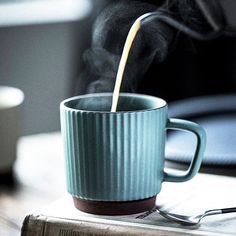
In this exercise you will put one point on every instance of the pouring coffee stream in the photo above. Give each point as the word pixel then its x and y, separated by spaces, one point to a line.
pixel 162 16
pixel 128 44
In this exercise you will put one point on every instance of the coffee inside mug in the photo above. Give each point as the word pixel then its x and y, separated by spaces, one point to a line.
pixel 127 102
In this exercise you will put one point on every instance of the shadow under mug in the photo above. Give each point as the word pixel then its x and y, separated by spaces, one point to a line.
pixel 115 160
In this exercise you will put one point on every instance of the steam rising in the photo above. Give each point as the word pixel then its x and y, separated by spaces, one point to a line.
pixel 101 65
pixel 152 45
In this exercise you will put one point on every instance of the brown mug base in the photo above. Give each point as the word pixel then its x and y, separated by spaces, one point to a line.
pixel 114 208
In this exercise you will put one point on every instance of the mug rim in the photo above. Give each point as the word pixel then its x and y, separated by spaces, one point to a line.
pixel 162 102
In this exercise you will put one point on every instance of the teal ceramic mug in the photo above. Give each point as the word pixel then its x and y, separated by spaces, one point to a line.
pixel 115 160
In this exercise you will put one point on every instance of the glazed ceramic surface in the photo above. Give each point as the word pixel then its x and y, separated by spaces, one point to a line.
pixel 119 156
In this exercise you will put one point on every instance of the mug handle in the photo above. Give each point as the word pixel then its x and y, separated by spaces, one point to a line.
pixel 195 164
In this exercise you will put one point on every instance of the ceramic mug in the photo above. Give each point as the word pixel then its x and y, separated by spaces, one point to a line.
pixel 11 100
pixel 115 160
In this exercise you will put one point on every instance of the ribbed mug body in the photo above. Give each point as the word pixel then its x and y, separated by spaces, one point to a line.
pixel 114 156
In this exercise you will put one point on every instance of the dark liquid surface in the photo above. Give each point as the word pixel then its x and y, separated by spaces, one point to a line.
pixel 103 103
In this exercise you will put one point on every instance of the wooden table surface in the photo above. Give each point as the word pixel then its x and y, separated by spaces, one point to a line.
pixel 38 179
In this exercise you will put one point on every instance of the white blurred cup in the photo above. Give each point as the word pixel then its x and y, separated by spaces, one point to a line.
pixel 11 100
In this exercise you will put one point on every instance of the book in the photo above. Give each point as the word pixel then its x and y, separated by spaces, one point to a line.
pixel 202 193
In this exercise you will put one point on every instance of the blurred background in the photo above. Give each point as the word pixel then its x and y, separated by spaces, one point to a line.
pixel 41 43
pixel 41 47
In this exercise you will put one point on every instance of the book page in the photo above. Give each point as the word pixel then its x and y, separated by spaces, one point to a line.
pixel 202 193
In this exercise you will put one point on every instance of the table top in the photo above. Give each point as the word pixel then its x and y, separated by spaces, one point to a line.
pixel 37 180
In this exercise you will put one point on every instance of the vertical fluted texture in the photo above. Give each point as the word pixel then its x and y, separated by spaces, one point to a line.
pixel 114 156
